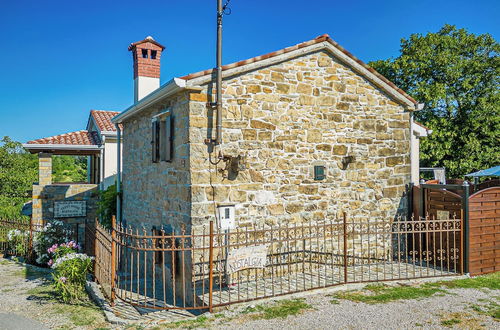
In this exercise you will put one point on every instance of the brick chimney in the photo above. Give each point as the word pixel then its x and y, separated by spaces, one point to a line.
pixel 146 54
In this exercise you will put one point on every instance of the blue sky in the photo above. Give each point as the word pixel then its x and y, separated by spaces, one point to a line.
pixel 59 59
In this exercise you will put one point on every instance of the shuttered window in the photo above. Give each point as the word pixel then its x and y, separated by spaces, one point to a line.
pixel 162 131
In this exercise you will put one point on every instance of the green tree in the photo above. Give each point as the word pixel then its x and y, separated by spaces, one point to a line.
pixel 456 74
pixel 69 168
pixel 18 171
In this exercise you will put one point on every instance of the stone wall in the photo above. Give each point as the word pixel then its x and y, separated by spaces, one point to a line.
pixel 156 194
pixel 288 117
pixel 44 197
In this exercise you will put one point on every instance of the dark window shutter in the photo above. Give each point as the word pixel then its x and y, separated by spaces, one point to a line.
pixel 155 147
pixel 169 137
pixel 163 140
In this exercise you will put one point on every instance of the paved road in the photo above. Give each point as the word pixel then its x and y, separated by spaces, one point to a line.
pixel 18 322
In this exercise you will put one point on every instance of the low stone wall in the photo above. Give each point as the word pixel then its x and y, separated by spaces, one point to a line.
pixel 44 197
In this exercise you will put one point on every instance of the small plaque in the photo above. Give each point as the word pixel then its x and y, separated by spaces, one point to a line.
pixel 442 215
pixel 70 209
pixel 247 257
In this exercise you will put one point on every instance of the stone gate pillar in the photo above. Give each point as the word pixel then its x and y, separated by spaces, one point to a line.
pixel 44 168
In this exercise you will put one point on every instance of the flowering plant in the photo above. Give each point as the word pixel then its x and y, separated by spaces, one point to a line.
pixel 70 274
pixel 54 232
pixel 18 241
pixel 58 250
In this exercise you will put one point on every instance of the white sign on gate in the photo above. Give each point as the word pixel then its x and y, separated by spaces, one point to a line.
pixel 70 209
pixel 247 257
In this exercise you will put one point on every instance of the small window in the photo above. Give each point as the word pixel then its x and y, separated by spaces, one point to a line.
pixel 144 53
pixel 153 54
pixel 162 132
pixel 319 172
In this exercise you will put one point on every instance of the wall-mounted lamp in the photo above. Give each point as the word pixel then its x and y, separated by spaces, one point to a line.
pixel 346 161
pixel 233 166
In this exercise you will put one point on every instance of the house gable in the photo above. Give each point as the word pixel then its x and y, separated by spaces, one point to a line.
pixel 321 43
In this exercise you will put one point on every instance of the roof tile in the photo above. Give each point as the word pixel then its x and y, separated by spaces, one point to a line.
pixel 73 138
pixel 102 119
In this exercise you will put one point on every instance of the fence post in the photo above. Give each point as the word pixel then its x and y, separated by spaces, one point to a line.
pixel 345 247
pixel 113 259
pixel 461 241
pixel 465 228
pixel 422 199
pixel 211 267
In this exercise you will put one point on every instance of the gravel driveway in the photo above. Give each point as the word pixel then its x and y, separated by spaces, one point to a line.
pixel 24 293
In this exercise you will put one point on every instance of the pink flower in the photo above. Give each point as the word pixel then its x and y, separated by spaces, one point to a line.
pixel 50 262
pixel 63 279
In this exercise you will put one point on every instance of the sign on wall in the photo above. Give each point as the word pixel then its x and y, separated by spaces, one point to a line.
pixel 69 209
pixel 247 257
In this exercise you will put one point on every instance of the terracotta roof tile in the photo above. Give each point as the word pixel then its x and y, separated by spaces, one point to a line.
pixel 73 138
pixel 102 119
pixel 321 38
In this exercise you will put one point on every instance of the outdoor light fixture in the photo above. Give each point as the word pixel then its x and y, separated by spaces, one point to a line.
pixel 346 161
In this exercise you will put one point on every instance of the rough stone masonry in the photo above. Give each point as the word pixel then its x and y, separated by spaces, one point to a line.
pixel 284 118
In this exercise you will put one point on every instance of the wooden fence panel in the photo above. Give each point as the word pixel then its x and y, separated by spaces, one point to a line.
pixel 484 219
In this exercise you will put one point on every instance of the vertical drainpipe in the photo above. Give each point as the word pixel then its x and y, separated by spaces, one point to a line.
pixel 118 174
pixel 409 199
pixel 218 137
pixel 412 179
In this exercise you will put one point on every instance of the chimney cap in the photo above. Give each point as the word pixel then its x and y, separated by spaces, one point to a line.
pixel 147 39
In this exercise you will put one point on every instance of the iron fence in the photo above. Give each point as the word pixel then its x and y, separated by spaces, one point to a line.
pixel 180 270
pixel 22 234
pixel 209 267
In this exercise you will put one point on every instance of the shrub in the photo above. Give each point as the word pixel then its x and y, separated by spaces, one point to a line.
pixel 54 232
pixel 59 250
pixel 107 205
pixel 70 274
pixel 18 241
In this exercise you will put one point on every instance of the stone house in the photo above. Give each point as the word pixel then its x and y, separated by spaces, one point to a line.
pixel 309 132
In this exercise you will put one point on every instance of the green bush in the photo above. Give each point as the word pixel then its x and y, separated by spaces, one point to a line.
pixel 54 232
pixel 107 205
pixel 70 274
pixel 18 241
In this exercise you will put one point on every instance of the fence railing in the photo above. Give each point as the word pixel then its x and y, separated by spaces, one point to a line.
pixel 21 241
pixel 99 244
pixel 210 267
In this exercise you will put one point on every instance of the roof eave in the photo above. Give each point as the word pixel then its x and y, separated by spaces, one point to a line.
pixel 63 148
pixel 172 87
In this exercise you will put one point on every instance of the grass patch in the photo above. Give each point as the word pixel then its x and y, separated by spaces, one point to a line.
pixel 201 321
pixel 282 309
pixel 450 322
pixel 490 281
pixel 379 293
pixel 80 315
pixel 491 309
